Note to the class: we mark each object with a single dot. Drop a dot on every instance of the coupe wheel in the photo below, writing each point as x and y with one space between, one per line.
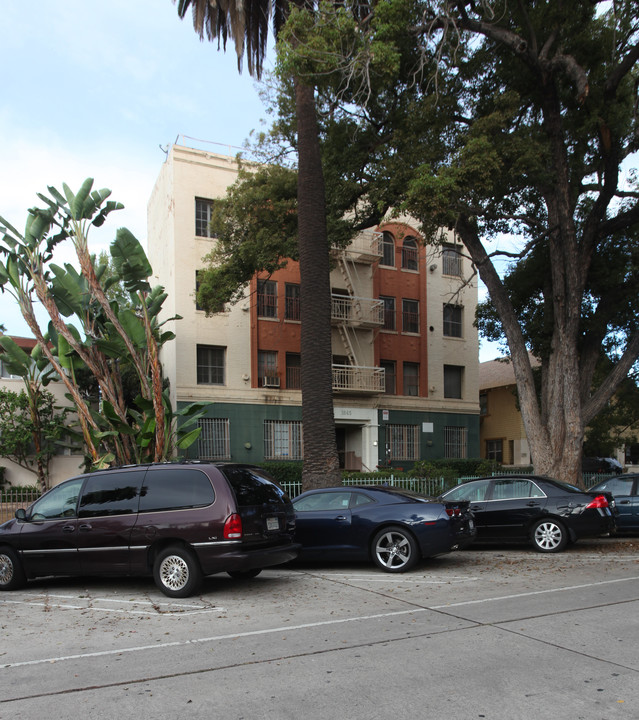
11 572
549 536
177 572
394 550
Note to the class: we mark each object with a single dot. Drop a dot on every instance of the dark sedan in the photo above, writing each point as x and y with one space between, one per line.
394 528
624 489
545 512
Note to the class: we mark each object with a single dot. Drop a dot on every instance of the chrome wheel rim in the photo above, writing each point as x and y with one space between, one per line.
174 572
6 570
548 536
393 550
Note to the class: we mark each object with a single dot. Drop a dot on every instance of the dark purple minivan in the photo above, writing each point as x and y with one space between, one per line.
175 521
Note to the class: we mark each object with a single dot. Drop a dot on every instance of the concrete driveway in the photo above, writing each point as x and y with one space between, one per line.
484 633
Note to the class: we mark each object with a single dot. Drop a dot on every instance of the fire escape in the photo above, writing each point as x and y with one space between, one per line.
357 318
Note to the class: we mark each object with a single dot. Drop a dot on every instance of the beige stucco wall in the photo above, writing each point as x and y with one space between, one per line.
503 421
62 466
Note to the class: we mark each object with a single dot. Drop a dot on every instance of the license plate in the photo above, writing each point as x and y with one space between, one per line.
272 523
471 524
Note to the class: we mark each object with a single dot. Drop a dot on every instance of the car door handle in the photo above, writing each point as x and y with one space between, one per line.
623 502
341 517
68 528
85 528
532 503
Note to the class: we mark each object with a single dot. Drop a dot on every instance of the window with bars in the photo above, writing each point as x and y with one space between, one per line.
455 442
390 376
293 371
283 440
411 379
451 261
214 442
453 320
410 316
389 313
203 209
388 250
210 365
410 254
403 442
267 298
267 368
292 302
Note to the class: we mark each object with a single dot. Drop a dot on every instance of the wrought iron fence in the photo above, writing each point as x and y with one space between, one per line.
11 499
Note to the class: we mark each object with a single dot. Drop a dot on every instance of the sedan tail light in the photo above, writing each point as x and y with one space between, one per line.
453 512
601 501
233 527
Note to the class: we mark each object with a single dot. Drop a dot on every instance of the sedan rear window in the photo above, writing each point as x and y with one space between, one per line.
174 489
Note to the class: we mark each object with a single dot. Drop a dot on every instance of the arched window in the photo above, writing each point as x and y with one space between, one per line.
410 254
388 250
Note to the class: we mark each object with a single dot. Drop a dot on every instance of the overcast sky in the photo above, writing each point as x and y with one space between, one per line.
97 90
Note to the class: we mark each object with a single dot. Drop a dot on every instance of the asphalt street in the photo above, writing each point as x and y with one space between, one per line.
484 633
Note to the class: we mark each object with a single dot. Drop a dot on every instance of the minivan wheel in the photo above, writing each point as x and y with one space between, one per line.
12 575
394 550
245 574
177 572
549 536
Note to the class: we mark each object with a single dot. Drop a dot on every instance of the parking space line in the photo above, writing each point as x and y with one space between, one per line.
304 626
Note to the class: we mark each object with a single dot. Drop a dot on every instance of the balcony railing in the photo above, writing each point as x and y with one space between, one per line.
357 311
366 246
358 379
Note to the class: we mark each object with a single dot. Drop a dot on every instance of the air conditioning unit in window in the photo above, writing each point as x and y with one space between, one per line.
271 381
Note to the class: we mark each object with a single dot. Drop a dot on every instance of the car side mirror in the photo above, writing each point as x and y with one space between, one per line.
21 514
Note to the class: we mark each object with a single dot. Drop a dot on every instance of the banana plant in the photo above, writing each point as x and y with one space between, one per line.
90 333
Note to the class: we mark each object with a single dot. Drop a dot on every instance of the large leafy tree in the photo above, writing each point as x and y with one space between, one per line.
546 119
247 24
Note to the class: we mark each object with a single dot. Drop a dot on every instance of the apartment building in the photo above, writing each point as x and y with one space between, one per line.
405 367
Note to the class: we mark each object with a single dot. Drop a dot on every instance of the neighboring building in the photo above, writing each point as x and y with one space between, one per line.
62 466
502 435
405 348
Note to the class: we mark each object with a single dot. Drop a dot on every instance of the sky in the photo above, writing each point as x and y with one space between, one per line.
101 90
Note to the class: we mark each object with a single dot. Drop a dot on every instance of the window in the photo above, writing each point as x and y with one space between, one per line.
267 369
214 442
60 502
403 442
292 302
388 250
410 254
453 321
175 488
410 316
495 450
323 502
514 488
341 304
389 313
475 491
283 440
5 372
113 493
453 376
390 376
210 365
411 379
267 298
293 371
483 404
455 442
451 260
203 210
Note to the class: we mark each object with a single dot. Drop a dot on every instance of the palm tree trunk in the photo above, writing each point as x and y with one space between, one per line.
321 463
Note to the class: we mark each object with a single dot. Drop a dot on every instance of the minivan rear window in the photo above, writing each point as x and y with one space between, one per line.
111 493
175 488
251 486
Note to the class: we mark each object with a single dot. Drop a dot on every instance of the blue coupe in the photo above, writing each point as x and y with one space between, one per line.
394 528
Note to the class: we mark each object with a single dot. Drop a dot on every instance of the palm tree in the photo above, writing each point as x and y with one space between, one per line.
247 23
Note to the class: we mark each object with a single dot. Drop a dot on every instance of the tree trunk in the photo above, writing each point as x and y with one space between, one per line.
321 463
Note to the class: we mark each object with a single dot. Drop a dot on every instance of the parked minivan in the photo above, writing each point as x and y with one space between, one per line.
175 521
